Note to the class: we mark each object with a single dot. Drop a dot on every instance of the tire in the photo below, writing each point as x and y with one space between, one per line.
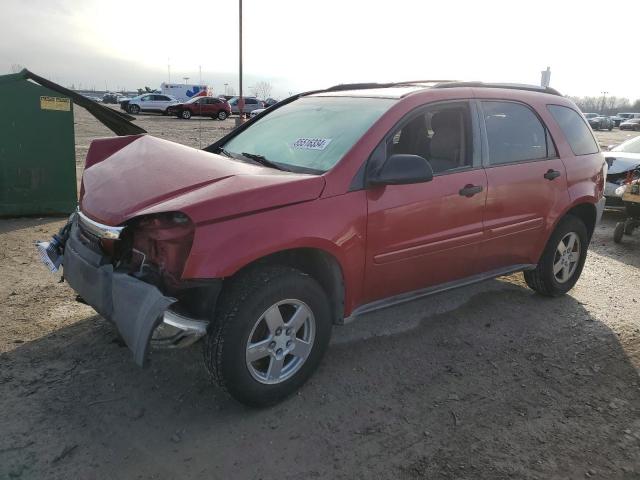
543 279
222 115
186 114
134 109
618 232
240 320
610 127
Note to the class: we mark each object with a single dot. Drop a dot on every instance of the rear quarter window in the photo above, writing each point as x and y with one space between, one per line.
575 130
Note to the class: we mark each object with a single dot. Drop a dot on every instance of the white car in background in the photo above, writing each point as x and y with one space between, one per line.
149 102
623 161
257 111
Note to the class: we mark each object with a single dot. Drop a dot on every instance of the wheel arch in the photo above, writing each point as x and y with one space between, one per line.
585 211
319 264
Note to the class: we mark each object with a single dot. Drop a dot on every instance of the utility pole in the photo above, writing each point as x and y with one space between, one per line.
225 88
240 99
169 69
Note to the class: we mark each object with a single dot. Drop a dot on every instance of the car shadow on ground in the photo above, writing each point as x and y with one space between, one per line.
506 385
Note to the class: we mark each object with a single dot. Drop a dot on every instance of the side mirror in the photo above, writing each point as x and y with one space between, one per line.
402 169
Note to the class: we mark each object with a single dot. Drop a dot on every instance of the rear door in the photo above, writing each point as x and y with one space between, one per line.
426 234
527 184
161 102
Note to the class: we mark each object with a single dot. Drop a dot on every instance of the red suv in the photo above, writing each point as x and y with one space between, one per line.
329 205
203 106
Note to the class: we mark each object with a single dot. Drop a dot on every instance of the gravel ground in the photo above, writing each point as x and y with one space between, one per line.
491 381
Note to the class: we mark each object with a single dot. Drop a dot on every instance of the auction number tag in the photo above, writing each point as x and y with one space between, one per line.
311 143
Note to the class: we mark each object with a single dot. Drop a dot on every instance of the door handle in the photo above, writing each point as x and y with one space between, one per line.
551 174
470 190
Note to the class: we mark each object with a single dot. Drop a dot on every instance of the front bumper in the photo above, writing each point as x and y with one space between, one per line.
135 307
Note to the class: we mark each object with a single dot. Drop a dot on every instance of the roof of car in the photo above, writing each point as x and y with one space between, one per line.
402 89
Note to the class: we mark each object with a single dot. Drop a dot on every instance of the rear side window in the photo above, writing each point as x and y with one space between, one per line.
575 129
514 133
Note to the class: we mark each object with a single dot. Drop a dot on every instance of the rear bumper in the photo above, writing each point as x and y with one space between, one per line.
135 307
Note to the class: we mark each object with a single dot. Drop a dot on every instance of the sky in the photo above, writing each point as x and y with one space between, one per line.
308 44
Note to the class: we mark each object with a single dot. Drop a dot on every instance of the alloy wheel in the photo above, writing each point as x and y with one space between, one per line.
567 257
280 341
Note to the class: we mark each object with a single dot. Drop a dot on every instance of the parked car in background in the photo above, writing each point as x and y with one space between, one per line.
363 197
110 97
631 124
270 102
250 104
599 122
623 160
627 115
213 107
149 102
256 112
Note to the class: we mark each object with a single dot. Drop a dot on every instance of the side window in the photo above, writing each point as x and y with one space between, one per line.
146 98
514 133
441 134
575 129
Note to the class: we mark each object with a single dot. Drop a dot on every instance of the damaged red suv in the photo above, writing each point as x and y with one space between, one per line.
329 205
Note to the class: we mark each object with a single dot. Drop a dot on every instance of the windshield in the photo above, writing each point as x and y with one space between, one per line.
590 115
310 134
630 146
193 100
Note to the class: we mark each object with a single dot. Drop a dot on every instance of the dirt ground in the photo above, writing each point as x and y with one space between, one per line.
486 382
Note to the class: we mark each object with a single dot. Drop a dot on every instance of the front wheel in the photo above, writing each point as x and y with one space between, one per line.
135 109
186 114
562 260
271 330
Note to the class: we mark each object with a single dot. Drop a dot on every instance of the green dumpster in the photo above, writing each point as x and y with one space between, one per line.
37 149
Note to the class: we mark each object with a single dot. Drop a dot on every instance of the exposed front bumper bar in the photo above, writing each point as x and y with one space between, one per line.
177 331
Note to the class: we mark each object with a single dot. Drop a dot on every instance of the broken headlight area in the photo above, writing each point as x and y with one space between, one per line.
155 248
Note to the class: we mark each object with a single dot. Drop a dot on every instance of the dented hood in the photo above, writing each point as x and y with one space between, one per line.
130 176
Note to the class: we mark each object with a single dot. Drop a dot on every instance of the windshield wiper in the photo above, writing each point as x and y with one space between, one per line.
261 159
224 152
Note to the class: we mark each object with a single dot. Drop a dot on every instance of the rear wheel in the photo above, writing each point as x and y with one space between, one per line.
562 260
271 330
222 115
186 114
134 109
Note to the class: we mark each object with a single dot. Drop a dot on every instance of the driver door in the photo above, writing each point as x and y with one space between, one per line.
425 234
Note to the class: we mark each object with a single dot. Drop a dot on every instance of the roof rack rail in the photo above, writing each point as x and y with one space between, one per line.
510 86
369 85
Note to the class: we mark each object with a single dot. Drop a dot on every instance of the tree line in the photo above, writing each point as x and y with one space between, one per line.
606 105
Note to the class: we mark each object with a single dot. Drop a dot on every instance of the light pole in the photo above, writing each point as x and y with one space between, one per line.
240 100
225 88
604 97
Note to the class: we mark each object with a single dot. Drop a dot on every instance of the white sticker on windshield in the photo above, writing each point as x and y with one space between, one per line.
311 143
